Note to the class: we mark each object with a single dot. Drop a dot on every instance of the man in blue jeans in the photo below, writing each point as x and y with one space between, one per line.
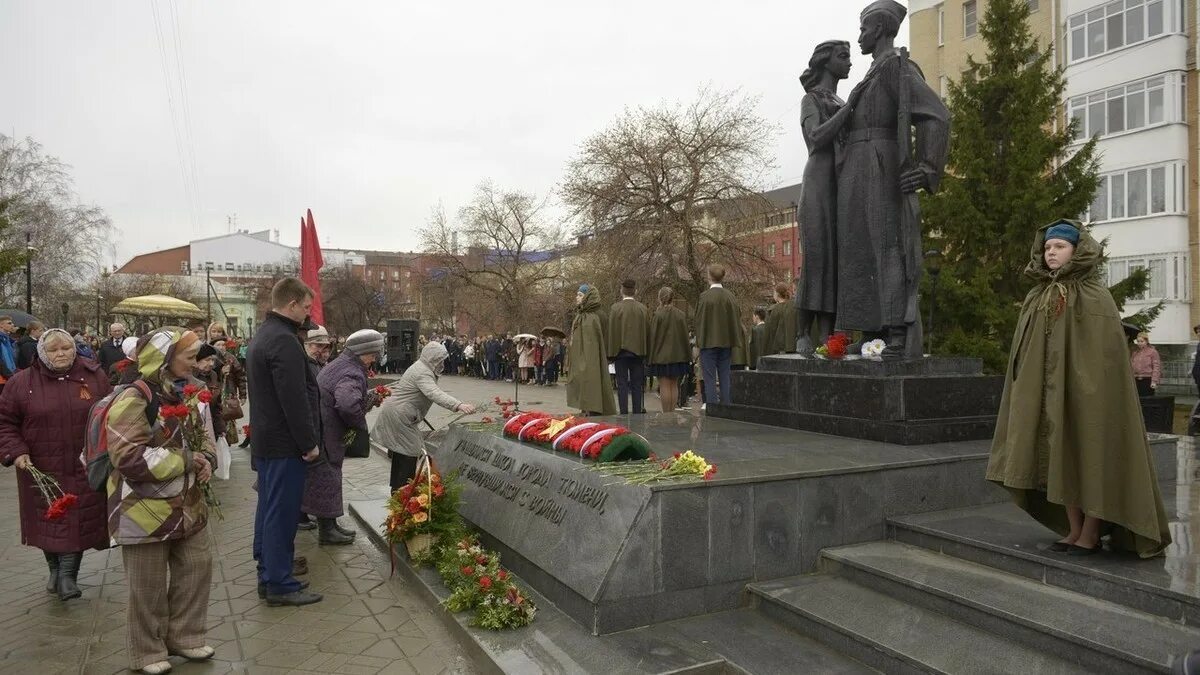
718 331
284 439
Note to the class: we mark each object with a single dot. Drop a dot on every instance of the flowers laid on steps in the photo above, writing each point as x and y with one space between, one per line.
578 436
427 505
682 466
477 581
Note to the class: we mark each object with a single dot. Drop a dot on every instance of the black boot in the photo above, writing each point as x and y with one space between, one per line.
68 574
52 561
328 534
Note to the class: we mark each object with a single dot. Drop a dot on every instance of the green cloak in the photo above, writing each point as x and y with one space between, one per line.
781 329
717 322
628 328
589 387
758 343
1070 428
669 337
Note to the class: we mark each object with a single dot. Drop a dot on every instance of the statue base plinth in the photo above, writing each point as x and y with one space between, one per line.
906 401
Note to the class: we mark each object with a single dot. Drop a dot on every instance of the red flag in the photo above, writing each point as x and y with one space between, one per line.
311 263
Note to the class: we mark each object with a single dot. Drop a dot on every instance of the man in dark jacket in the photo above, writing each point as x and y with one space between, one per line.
27 345
283 439
110 349
718 331
628 346
491 350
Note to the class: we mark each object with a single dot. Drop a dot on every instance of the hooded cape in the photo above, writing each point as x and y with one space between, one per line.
1070 429
589 388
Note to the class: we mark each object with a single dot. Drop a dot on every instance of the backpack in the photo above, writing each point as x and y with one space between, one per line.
95 451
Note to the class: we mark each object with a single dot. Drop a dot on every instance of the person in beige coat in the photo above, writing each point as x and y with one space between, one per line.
399 425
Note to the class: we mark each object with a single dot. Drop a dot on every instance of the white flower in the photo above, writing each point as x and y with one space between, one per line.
873 348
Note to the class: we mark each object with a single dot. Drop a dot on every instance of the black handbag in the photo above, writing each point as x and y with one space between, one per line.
360 448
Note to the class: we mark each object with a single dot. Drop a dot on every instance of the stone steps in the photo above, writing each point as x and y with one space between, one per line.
895 636
1003 537
1098 634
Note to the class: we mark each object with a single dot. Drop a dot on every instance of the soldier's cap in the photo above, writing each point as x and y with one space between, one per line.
895 9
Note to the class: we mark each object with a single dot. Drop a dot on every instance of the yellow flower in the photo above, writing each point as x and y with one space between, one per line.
423 500
420 517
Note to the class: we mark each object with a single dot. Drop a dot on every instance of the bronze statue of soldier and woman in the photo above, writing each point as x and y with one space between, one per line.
860 223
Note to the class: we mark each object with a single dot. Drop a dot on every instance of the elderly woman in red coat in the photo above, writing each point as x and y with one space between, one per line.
43 415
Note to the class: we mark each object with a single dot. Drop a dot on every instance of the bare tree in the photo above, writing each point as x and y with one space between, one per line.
69 238
673 188
351 303
511 257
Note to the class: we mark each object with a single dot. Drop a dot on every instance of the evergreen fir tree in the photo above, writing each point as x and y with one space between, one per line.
1012 169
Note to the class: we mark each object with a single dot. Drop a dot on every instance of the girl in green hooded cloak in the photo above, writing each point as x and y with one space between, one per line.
1070 442
589 388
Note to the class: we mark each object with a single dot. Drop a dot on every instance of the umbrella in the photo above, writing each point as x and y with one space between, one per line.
21 319
524 336
158 305
551 331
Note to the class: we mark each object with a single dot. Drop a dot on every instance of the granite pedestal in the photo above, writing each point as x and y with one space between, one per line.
615 556
908 402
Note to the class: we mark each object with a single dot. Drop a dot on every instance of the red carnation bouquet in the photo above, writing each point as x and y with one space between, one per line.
58 501
579 437
835 347
195 434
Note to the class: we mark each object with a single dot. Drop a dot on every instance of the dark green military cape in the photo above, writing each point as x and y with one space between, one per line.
669 337
717 322
628 328
758 343
1070 429
589 387
781 328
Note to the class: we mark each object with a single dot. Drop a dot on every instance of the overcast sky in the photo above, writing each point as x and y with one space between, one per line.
370 113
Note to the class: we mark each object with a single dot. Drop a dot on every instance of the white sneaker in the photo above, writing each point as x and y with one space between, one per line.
196 654
157 668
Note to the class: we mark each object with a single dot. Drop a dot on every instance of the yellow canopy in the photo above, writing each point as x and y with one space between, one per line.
158 305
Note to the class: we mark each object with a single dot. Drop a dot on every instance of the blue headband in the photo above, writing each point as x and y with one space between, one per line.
584 288
1064 231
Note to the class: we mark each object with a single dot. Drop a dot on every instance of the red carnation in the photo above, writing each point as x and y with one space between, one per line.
497 400
246 429
712 471
122 365
487 420
190 390
501 575
231 345
481 559
438 490
678 455
485 583
205 396
468 571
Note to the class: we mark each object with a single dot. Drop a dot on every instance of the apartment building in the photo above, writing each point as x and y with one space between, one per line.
1130 71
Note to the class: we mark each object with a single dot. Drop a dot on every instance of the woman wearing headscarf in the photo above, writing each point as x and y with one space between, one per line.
344 404
589 387
43 417
1070 442
157 512
399 425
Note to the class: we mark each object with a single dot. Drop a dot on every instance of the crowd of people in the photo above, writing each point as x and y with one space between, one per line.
529 358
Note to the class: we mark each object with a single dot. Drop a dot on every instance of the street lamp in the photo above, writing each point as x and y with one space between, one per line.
933 264
29 251
99 299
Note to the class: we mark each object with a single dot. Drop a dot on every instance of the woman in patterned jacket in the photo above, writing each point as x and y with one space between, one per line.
156 508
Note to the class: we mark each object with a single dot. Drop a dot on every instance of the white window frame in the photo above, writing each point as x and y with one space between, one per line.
1172 281
970 29
941 24
1120 16
1173 192
1167 86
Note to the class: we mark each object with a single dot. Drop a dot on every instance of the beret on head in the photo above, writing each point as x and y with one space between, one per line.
1065 231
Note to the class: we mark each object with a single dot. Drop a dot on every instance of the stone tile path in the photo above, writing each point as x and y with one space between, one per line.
367 623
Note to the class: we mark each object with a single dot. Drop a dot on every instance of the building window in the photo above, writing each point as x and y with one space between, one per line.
787 248
941 18
970 20
1127 107
943 87
184 267
1115 25
1144 191
1168 275
395 275
771 250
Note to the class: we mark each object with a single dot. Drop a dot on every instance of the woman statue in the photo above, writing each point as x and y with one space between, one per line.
822 115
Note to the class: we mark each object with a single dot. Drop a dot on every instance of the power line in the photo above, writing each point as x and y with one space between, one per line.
186 103
183 163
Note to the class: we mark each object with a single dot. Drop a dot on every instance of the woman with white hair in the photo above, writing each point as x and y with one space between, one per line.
43 417
398 427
